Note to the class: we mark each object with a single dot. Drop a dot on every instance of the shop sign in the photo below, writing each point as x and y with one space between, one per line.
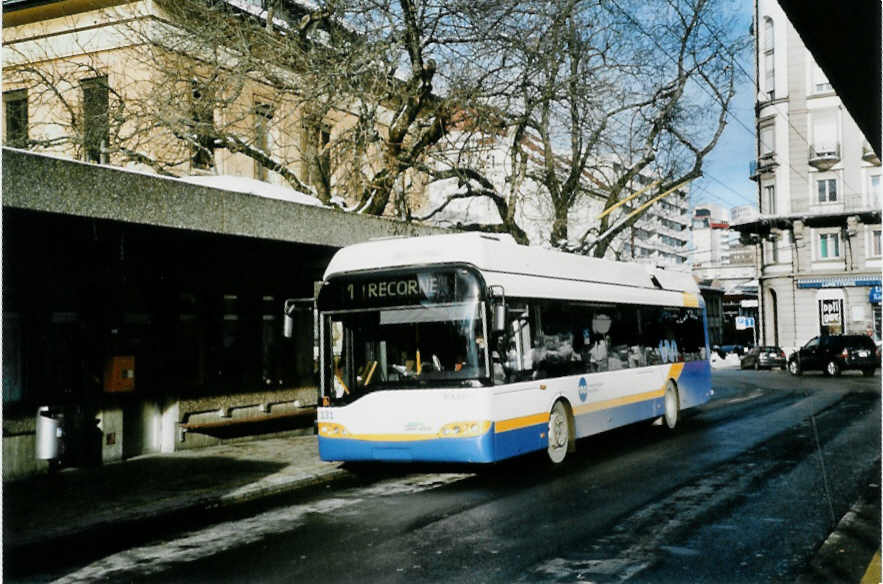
832 309
874 295
836 282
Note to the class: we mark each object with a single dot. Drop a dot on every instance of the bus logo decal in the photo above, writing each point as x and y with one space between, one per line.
583 389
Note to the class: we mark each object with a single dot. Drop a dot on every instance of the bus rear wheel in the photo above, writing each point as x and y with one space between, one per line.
559 433
672 406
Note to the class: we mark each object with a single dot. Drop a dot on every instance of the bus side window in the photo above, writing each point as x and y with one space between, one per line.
518 356
553 353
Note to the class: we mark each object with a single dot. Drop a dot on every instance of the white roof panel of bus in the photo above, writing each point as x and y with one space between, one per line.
500 254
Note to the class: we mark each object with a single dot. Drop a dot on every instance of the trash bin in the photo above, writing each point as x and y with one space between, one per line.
50 433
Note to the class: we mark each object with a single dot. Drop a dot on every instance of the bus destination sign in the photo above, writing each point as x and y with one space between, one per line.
379 290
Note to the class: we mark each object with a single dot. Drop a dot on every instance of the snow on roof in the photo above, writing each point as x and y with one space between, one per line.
255 187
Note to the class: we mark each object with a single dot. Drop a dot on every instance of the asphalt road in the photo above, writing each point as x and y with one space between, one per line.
744 491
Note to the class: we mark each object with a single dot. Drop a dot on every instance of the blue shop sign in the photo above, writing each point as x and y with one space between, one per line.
837 282
874 295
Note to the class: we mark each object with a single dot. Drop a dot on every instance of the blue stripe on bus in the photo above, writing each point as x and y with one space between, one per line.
514 442
478 449
600 420
694 383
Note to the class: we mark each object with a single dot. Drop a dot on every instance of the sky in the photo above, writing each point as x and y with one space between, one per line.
725 181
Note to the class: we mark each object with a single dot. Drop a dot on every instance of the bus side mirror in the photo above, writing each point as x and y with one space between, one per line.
288 318
499 325
498 309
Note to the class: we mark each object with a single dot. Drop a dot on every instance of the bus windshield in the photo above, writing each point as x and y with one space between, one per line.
434 345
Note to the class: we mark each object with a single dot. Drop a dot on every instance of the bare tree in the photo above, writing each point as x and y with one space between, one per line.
601 95
367 103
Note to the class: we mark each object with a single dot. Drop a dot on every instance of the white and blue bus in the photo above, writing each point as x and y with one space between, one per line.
472 348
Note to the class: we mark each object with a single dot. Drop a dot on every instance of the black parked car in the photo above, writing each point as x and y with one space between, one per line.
835 353
763 358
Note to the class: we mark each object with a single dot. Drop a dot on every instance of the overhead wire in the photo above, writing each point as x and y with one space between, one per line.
739 67
729 113
751 78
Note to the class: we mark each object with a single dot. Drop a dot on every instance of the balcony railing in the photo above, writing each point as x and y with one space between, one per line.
824 156
766 163
868 154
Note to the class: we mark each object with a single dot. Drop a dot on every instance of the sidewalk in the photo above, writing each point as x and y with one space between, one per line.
87 503
83 506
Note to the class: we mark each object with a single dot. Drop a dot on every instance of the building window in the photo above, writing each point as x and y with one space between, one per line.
769 58
874 191
263 139
829 246
202 116
767 140
875 243
16 103
319 144
95 119
774 249
827 188
324 151
825 132
770 199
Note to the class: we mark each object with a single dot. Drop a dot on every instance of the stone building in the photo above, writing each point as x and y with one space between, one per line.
818 232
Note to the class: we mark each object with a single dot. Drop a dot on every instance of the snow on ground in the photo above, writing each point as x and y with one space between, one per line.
255 187
731 361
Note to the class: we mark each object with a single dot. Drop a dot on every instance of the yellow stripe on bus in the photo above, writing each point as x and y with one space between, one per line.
521 422
620 401
674 372
326 430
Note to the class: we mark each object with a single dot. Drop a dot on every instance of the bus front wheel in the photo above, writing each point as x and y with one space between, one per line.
672 406
559 433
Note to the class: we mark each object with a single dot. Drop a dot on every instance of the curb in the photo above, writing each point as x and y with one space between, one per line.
849 553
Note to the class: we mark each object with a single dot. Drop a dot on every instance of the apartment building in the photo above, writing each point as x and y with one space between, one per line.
711 236
660 235
818 232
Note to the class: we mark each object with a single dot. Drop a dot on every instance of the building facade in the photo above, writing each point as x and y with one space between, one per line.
659 236
129 83
147 311
818 232
142 310
719 258
711 237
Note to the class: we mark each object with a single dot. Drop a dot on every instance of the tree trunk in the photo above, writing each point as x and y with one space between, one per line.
558 236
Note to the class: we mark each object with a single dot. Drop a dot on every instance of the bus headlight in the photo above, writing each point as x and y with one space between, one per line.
331 430
464 429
